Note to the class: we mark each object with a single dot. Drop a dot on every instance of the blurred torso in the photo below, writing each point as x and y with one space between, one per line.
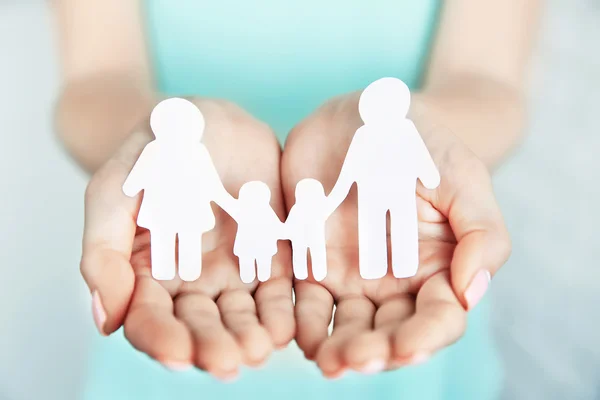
282 59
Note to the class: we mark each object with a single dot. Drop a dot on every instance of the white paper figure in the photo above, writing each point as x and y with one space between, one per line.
259 229
305 227
179 182
385 158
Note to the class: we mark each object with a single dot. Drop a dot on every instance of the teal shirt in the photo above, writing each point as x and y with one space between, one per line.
280 60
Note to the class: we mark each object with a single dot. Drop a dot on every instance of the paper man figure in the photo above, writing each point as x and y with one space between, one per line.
305 227
179 182
259 229
385 158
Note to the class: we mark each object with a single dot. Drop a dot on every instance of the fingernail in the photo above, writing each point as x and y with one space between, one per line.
309 356
477 288
228 377
338 375
176 366
258 364
418 358
373 367
98 312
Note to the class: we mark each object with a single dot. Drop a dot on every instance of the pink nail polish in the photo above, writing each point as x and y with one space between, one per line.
373 367
177 366
229 377
418 358
98 312
258 365
479 285
338 375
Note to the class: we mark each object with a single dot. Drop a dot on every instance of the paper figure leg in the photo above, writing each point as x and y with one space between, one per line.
318 259
190 256
299 261
263 267
404 234
372 242
162 255
247 270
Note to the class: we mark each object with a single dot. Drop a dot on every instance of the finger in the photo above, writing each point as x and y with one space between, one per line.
353 316
238 313
372 347
439 321
483 243
466 197
108 236
216 350
151 327
276 309
313 310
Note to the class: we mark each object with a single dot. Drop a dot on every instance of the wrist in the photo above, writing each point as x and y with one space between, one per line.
487 116
96 114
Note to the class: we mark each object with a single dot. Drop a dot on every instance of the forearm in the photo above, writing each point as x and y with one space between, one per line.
94 115
487 116
477 72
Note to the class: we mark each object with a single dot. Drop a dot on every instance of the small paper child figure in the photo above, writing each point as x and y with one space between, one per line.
259 229
385 158
305 227
179 182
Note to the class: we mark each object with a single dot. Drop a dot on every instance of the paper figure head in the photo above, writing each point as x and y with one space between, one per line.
308 190
177 120
255 192
386 100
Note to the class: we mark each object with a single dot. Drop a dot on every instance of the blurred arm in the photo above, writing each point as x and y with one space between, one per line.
107 88
476 77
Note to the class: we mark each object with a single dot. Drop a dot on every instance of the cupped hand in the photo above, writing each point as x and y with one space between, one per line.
386 323
216 323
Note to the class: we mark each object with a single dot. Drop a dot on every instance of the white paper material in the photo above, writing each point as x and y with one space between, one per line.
179 182
385 159
305 227
259 229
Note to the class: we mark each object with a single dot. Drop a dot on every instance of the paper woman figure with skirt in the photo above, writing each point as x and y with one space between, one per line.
179 181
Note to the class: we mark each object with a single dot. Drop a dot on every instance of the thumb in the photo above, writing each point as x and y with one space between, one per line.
477 257
109 231
483 242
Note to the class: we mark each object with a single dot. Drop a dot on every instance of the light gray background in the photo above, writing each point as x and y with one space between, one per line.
547 299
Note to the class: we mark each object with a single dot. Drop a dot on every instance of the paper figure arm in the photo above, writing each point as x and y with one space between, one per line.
220 195
428 172
226 201
290 224
347 175
281 228
136 180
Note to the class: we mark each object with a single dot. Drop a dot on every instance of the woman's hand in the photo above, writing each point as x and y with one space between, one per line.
385 323
216 322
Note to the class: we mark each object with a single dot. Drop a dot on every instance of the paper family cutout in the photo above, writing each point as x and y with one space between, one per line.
385 159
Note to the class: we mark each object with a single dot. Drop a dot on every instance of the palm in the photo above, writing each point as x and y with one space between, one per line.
378 323
220 271
435 248
215 322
